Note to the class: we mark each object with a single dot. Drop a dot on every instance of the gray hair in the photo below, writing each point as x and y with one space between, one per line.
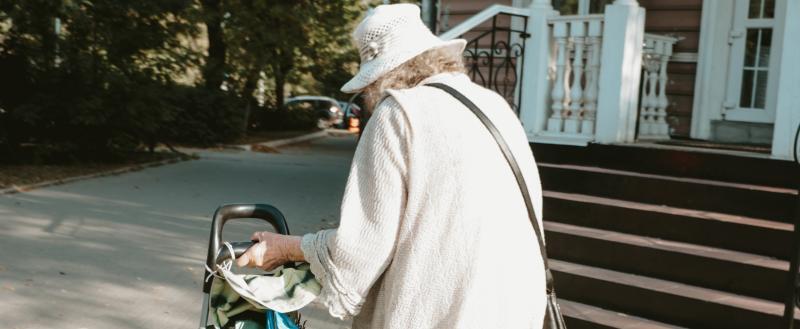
412 72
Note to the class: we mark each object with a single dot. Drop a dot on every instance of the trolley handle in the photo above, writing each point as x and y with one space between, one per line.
239 248
225 213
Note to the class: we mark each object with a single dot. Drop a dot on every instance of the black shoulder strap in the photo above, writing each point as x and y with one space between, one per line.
512 162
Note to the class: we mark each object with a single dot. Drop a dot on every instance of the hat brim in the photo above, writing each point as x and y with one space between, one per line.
366 76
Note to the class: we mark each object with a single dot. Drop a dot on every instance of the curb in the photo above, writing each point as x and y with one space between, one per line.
295 140
271 146
25 188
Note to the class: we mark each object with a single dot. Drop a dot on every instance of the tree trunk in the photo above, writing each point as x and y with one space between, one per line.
281 73
214 70
280 89
250 101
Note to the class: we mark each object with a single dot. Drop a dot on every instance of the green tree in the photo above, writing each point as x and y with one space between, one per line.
288 40
99 83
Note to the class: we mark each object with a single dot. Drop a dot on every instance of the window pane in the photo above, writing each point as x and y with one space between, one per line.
769 9
750 47
761 90
566 7
764 50
746 99
755 9
598 6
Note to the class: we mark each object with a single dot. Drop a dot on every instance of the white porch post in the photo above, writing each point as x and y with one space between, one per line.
787 105
623 35
533 108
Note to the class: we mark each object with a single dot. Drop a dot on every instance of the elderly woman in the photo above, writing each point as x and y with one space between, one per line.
434 232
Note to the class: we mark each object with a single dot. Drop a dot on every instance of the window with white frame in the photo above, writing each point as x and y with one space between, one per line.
757 46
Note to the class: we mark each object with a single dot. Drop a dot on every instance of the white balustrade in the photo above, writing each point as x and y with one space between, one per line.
573 118
574 90
592 74
653 112
555 123
568 59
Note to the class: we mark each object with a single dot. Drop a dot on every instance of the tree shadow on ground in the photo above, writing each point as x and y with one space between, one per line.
127 251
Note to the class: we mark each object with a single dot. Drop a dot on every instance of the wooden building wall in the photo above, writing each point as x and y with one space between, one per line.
453 12
679 18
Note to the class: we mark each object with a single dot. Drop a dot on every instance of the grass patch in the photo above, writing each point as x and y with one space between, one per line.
28 174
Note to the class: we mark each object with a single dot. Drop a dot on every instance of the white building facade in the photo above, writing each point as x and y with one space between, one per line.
599 78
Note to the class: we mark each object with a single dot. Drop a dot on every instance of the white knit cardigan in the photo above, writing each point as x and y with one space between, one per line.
434 232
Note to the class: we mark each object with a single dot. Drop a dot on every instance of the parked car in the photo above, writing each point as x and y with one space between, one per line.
328 110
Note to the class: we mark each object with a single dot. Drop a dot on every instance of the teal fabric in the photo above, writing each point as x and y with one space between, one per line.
277 320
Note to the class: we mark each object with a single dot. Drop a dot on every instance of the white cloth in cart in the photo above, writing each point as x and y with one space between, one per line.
285 290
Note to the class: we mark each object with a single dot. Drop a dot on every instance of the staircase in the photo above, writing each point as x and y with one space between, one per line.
661 238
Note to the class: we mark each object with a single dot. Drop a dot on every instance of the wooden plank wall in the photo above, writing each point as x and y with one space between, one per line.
679 18
670 17
459 10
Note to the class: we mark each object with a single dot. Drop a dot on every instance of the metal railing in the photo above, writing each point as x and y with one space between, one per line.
495 56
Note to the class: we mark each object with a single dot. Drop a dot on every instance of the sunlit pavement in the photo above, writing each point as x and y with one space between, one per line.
127 251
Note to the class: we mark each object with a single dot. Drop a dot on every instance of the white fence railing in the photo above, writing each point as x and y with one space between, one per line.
653 106
582 73
573 97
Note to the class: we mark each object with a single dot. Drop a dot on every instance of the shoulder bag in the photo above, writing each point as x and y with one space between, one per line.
552 318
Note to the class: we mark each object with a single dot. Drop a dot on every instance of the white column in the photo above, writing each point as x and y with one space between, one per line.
577 31
712 66
535 90
787 105
623 33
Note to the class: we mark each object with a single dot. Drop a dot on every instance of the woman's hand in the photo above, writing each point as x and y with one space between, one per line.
271 251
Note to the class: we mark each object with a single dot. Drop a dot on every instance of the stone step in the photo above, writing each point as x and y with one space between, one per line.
661 300
745 234
736 272
756 201
582 316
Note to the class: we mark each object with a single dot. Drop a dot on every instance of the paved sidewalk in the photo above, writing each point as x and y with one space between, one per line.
127 251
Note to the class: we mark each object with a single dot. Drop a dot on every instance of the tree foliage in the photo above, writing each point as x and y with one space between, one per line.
100 76
97 83
290 41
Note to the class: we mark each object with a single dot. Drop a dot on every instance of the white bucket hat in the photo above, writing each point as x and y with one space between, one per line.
389 36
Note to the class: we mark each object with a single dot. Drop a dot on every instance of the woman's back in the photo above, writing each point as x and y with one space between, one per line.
465 255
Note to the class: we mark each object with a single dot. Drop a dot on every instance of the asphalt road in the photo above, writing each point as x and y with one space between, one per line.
127 251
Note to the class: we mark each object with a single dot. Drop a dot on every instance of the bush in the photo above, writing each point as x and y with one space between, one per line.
204 117
283 119
64 116
106 85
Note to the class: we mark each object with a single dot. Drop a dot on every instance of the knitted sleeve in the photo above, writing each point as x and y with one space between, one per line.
350 259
